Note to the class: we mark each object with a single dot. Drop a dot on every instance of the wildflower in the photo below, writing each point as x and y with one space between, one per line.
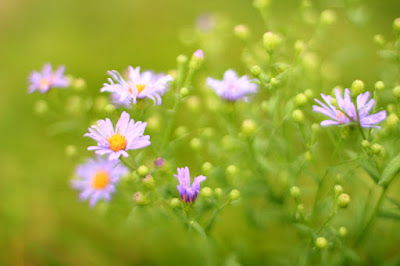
346 112
47 79
232 87
127 135
188 193
97 179
159 162
137 86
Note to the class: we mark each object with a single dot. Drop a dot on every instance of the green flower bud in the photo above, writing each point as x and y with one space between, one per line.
379 39
231 170
208 132
343 200
396 25
328 17
365 144
255 71
379 85
338 190
295 192
307 156
153 123
206 192
299 46
180 131
391 108
242 32
396 92
264 106
148 182
41 107
300 207
195 144
248 127
298 116
109 109
184 92
273 82
74 105
309 93
261 4
392 120
234 195
218 192
181 59
193 103
300 99
342 231
100 103
196 60
376 148
140 199
79 84
315 128
206 167
71 151
357 87
174 203
270 40
321 242
142 170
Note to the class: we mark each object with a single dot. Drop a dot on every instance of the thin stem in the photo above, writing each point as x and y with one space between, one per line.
214 216
123 160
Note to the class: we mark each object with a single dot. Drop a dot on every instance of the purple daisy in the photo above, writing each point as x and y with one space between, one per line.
346 112
188 193
137 86
232 87
97 179
47 79
127 135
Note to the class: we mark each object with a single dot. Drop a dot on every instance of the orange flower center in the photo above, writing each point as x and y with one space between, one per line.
339 116
44 83
117 142
100 179
139 87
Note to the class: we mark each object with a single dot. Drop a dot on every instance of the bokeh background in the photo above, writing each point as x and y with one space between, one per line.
41 221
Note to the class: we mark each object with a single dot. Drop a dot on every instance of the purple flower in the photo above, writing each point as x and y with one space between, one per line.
47 79
137 86
159 162
232 87
206 22
97 179
188 193
199 54
127 135
346 112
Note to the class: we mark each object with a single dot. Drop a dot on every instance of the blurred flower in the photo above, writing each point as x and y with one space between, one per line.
232 87
137 86
97 179
47 79
128 135
206 22
346 111
159 162
188 193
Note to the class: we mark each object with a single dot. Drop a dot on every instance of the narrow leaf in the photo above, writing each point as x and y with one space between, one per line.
370 169
390 171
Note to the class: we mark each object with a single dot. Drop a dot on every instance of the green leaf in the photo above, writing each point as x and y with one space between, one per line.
390 171
394 201
351 254
370 169
389 214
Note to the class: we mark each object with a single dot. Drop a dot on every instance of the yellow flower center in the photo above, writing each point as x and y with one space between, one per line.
44 83
139 87
117 142
100 180
339 116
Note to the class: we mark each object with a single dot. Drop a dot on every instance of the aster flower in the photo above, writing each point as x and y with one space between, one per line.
47 79
127 135
346 112
137 86
232 87
97 179
188 192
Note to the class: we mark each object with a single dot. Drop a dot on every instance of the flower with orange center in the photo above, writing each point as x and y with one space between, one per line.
117 142
47 79
100 180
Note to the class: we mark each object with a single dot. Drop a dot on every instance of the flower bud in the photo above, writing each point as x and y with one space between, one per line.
231 170
218 192
365 144
264 106
391 108
142 171
307 156
338 190
184 92
193 103
298 116
342 231
74 105
299 46
270 41
396 25
315 127
208 132
100 103
300 207
328 17
41 107
153 123
379 85
261 4
196 60
159 162
148 182
334 102
242 32
248 127
140 199
295 192
79 84
273 82
255 70
174 203
396 92
309 93
206 167
321 242
376 148
343 200
70 151
206 192
195 144
300 99
180 131
181 59
109 109
379 39
392 120
234 195
357 87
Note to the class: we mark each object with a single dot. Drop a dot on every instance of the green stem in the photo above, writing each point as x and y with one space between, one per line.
214 216
123 160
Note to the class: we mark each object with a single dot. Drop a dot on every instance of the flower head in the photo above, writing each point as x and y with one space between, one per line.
346 111
127 135
188 192
137 86
47 79
232 87
97 179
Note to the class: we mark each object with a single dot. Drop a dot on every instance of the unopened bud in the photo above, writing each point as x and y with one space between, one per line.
396 92
300 99
357 87
392 120
328 17
195 144
242 32
206 167
180 131
299 46
79 84
41 107
148 182
100 103
338 190
193 103
109 109
396 25
70 151
142 171
365 144
208 132
343 200
261 4
376 148
270 41
248 127
153 123
298 116
342 231
159 162
181 59
321 242
295 192
315 128
206 192
309 93
255 71
300 207
218 192
307 156
196 60
379 85
234 195
231 170
139 199
174 203
379 39
184 92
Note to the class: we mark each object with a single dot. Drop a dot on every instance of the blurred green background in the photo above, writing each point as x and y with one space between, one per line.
41 221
